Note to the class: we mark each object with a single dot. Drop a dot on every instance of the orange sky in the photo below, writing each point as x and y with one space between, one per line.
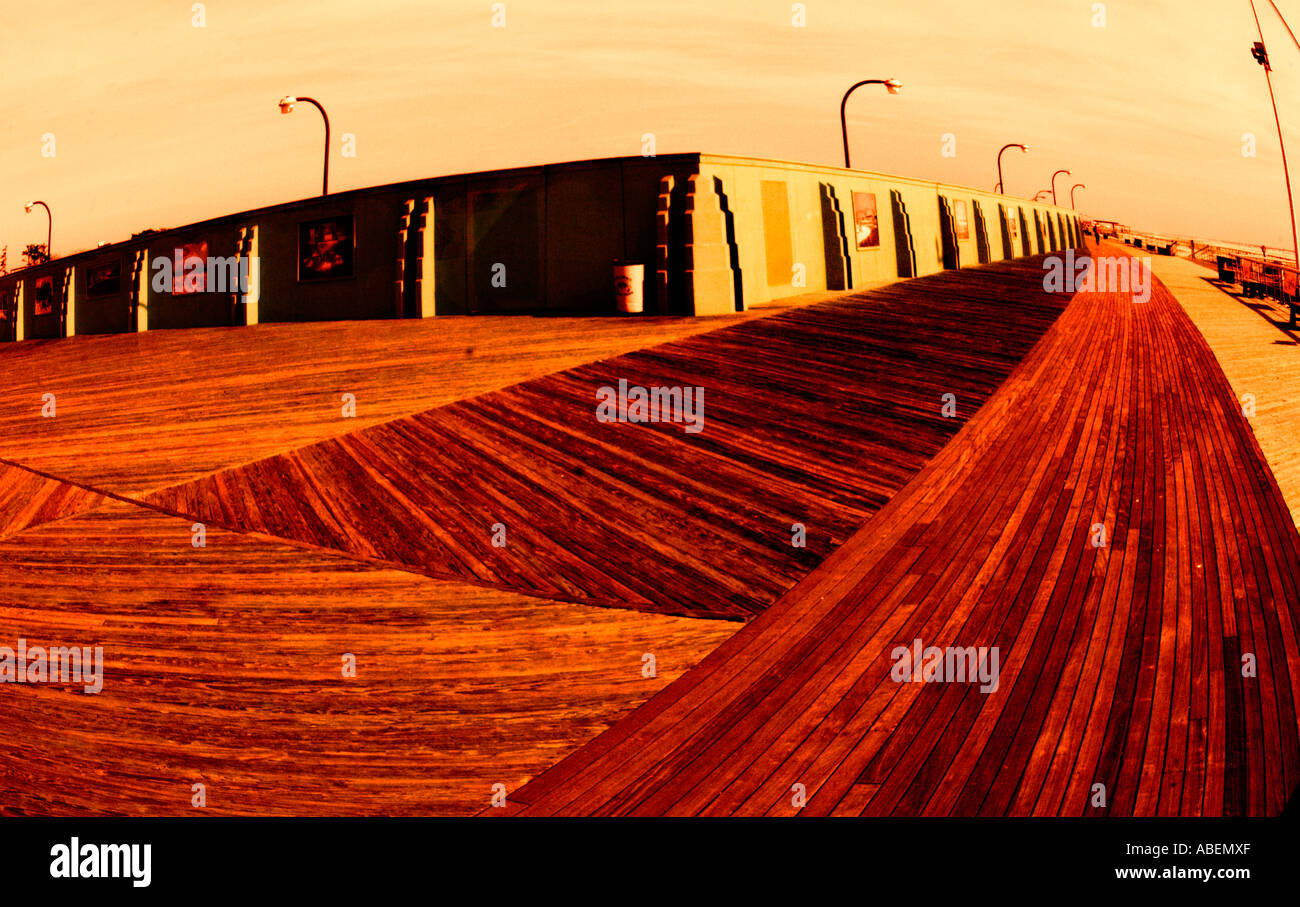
159 123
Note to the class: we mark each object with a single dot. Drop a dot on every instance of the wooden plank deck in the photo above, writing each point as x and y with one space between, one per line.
135 412
1120 666
223 665
1259 355
28 499
815 415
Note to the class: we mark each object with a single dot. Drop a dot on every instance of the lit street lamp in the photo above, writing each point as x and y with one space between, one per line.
286 107
891 85
49 225
1024 148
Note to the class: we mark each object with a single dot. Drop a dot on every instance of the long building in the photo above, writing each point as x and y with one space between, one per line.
715 234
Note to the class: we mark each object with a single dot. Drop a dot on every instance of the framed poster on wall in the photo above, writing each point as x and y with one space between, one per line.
960 220
866 225
192 275
104 280
1013 225
44 295
326 248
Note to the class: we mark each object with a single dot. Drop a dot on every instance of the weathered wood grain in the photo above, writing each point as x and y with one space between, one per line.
140 411
814 416
1259 354
28 499
223 666
1120 665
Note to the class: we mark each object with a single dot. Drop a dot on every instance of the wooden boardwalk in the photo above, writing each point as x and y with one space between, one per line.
28 499
1121 688
815 416
223 666
1120 662
1259 355
135 412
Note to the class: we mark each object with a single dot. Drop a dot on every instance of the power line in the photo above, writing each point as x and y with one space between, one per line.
1261 56
1284 25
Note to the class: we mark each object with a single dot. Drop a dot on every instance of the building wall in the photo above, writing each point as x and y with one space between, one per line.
107 309
45 325
740 181
715 233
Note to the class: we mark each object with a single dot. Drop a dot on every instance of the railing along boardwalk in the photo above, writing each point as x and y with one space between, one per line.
1120 665
813 416
1259 354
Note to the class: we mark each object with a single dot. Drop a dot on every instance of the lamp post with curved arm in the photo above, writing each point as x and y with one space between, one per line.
286 107
1054 176
1024 148
891 85
49 226
1072 188
1260 53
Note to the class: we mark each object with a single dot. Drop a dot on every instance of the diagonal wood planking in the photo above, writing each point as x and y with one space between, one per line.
1120 665
222 665
133 412
28 499
1120 668
814 416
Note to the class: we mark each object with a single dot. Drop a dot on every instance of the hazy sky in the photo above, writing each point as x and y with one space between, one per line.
158 123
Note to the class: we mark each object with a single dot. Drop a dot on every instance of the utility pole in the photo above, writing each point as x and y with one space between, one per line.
1260 53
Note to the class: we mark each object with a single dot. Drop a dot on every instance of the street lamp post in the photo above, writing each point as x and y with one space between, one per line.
1260 53
1054 176
891 85
49 225
1038 197
1072 188
286 107
1023 148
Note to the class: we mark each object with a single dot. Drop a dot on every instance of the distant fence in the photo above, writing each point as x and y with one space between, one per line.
1210 252
1200 250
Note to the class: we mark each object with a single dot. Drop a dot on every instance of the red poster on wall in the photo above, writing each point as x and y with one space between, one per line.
959 218
191 276
44 295
326 248
866 225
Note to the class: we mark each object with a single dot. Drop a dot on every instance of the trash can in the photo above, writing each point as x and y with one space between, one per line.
629 285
